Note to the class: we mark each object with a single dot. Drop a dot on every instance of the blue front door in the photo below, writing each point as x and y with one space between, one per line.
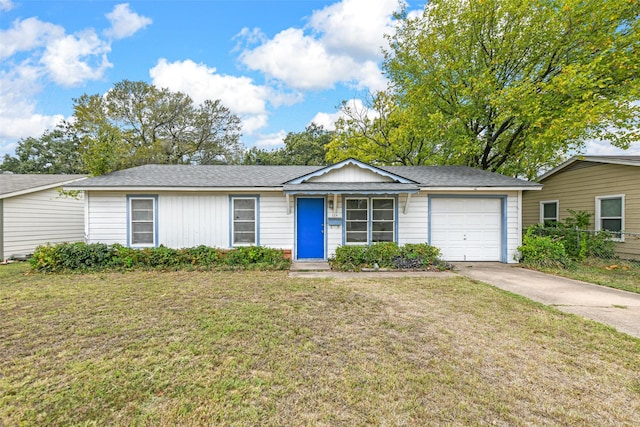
310 236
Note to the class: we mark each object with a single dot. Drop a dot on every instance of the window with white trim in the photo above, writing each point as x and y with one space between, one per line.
610 215
369 220
549 212
142 217
244 226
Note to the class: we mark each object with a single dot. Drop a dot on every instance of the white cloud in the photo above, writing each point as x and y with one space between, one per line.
49 55
342 44
27 34
596 147
6 5
73 59
200 82
125 22
239 94
18 118
355 27
271 140
328 120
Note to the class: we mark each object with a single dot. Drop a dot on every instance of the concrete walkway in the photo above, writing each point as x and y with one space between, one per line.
612 307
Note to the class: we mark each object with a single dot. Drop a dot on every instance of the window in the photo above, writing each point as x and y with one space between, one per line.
549 212
244 229
369 220
610 215
142 217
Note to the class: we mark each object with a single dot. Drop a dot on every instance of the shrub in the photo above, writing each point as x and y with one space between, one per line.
98 256
387 255
349 258
382 254
542 251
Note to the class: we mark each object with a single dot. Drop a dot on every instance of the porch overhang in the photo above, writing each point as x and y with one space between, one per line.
325 188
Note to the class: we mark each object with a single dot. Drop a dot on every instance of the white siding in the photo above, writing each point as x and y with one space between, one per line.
334 236
106 217
350 173
186 220
42 217
413 226
276 222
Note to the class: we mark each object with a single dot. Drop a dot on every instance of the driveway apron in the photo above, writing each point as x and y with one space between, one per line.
613 307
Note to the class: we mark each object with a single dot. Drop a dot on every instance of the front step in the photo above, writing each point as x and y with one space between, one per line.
310 266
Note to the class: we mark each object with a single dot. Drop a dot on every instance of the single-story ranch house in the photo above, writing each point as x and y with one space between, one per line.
32 213
470 214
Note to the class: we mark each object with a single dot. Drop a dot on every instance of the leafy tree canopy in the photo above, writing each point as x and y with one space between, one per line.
505 85
133 124
136 123
56 151
300 148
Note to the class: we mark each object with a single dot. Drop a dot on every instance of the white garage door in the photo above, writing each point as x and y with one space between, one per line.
467 229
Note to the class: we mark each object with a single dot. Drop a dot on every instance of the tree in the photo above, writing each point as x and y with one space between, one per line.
136 123
505 85
56 151
300 148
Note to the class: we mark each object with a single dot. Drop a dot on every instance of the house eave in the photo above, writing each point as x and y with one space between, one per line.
174 189
478 189
39 188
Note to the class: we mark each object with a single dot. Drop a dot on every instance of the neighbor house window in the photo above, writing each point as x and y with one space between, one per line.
549 212
244 225
142 221
369 220
610 215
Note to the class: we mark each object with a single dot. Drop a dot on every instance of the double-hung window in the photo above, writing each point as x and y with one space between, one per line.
610 215
244 230
549 212
142 221
369 220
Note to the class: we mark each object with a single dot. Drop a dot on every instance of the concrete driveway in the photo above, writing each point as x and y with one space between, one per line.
612 307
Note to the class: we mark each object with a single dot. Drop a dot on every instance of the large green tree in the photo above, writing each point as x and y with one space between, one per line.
300 148
505 85
56 151
137 123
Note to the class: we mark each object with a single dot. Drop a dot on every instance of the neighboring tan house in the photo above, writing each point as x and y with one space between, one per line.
33 213
606 186
469 214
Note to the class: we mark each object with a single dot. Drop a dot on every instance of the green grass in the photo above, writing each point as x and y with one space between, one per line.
612 273
258 348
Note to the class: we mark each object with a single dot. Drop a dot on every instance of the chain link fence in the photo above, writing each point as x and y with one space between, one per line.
581 244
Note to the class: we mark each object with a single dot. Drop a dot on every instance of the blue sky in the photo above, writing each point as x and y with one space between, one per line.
278 64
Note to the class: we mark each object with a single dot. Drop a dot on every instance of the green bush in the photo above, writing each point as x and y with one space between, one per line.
99 256
382 254
542 251
387 255
350 258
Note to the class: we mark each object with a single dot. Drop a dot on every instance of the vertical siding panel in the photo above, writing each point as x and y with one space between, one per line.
276 225
107 218
413 226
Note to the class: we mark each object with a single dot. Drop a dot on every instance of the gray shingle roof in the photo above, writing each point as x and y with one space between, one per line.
225 176
13 183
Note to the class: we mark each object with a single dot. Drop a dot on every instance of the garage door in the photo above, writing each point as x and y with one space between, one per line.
467 229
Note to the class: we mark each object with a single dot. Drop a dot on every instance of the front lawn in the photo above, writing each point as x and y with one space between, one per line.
617 274
260 348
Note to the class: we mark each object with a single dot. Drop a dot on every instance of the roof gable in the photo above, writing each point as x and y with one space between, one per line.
579 161
352 171
12 185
